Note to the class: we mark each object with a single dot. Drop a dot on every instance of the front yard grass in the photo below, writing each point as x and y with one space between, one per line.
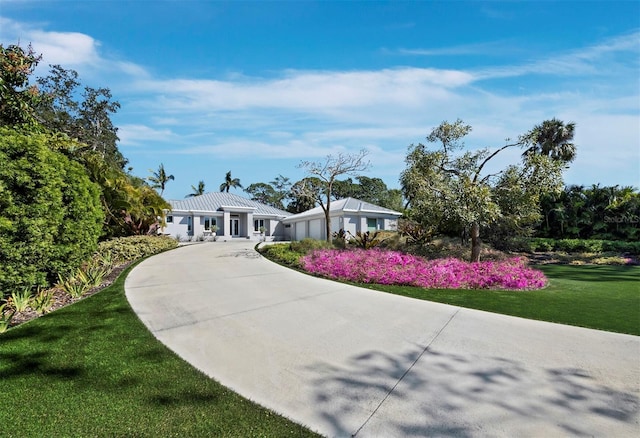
598 297
93 369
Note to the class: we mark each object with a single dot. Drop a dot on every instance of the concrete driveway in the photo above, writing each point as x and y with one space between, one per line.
347 361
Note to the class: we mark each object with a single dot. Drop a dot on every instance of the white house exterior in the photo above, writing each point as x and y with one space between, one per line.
233 215
349 214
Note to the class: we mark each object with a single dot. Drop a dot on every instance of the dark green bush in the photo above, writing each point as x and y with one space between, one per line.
50 212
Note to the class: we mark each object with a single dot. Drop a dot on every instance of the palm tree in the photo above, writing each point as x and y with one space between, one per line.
553 139
160 178
196 191
229 183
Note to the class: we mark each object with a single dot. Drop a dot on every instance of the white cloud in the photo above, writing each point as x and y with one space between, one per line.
69 49
132 134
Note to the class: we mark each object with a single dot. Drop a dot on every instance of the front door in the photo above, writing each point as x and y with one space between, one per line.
235 227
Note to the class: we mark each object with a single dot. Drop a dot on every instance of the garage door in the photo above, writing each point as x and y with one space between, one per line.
315 229
301 231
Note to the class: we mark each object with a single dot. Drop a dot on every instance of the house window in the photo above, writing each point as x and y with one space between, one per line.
372 224
209 222
189 223
169 219
257 224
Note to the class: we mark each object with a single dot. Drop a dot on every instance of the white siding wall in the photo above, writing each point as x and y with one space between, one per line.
178 226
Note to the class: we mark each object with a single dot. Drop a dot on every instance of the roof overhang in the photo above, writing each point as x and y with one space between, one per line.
237 209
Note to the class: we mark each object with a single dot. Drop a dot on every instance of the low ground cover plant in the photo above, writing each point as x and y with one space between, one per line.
111 257
395 268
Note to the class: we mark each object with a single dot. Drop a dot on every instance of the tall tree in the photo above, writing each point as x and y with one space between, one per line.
159 179
197 191
282 186
553 138
87 119
18 99
448 185
265 194
229 183
327 171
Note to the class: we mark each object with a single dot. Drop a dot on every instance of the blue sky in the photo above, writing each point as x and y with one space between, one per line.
257 87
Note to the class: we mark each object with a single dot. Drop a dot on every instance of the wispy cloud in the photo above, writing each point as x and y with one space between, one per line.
492 48
581 62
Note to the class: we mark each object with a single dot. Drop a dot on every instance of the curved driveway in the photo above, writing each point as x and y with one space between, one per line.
349 361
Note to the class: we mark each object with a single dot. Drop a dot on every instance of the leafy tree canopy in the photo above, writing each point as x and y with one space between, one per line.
448 187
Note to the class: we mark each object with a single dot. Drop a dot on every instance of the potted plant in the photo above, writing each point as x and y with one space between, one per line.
214 229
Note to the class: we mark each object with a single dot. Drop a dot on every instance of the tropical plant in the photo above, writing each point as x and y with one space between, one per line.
552 138
196 191
340 238
6 315
42 301
230 183
159 178
95 274
75 285
366 240
20 300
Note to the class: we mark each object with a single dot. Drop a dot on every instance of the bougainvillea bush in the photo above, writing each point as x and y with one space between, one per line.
392 267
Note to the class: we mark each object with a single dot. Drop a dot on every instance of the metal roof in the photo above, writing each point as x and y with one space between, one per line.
345 205
220 201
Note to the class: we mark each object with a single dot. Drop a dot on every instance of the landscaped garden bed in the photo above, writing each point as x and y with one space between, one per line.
395 268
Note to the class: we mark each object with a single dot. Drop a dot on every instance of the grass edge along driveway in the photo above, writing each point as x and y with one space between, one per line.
93 369
592 296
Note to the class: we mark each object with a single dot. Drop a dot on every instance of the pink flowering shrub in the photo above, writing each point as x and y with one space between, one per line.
395 268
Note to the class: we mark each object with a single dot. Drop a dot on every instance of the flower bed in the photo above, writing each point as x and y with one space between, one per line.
391 267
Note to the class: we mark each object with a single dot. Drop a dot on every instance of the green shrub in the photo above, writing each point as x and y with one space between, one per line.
541 244
50 212
282 253
307 245
124 249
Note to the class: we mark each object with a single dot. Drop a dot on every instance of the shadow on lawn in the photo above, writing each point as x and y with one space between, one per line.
466 396
94 345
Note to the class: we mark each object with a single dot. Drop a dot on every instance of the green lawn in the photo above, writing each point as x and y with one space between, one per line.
93 369
599 297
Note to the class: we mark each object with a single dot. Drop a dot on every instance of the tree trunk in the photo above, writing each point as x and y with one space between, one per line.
327 220
475 242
